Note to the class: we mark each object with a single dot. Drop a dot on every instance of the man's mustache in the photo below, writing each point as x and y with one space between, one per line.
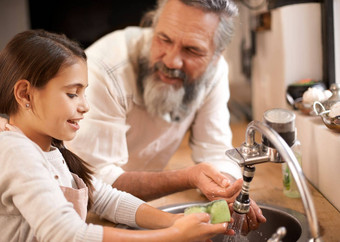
171 73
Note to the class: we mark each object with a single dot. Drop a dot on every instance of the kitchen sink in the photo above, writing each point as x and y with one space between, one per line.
295 223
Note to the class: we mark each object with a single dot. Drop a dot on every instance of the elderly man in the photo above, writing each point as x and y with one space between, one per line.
147 88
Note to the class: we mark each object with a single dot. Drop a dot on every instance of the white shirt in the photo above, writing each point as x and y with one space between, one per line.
33 205
118 133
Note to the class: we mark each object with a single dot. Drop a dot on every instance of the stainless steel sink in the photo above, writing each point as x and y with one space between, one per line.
295 223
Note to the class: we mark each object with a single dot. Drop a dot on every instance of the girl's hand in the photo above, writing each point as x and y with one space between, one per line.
196 227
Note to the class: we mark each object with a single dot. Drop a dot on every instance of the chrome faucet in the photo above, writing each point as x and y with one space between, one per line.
251 153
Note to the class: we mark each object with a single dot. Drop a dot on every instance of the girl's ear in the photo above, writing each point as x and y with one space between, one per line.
22 93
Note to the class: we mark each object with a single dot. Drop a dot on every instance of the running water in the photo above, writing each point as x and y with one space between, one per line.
237 227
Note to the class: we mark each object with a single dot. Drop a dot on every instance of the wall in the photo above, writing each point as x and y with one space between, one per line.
290 51
240 86
233 50
337 39
14 18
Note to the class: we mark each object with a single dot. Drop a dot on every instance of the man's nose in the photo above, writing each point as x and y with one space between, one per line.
172 58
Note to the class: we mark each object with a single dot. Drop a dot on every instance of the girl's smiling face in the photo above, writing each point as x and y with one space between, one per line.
57 108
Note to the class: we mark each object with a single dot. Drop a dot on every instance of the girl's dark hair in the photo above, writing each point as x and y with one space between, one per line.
37 56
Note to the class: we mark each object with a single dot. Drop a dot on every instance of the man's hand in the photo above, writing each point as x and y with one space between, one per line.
212 183
253 218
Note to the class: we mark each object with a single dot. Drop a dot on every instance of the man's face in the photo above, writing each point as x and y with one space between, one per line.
180 60
184 41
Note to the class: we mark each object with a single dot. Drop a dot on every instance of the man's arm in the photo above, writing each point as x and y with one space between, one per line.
211 137
151 185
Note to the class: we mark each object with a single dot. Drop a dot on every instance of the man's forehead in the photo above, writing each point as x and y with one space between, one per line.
186 22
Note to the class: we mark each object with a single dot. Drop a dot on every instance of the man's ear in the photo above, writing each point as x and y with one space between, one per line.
22 91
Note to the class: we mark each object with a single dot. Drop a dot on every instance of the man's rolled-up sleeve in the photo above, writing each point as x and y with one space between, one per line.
211 133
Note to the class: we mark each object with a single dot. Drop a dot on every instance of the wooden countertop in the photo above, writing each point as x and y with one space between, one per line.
266 187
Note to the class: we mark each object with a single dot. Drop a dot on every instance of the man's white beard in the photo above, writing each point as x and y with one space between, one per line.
171 104
163 100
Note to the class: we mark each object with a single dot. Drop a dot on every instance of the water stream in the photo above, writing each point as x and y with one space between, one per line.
237 227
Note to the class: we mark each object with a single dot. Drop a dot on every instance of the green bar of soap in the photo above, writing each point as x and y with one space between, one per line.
195 209
218 210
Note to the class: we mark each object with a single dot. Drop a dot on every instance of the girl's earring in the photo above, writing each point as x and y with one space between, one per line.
27 105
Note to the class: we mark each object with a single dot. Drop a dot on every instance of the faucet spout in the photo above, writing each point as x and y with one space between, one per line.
250 153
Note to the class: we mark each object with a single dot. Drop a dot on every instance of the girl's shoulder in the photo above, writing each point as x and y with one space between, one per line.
14 138
15 143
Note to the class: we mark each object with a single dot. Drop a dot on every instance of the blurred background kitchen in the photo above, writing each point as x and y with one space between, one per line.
277 43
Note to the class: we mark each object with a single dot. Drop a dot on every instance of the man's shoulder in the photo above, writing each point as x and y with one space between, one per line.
113 63
222 71
222 64
118 42
116 54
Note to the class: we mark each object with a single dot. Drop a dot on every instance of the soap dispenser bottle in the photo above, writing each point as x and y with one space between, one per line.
290 188
283 122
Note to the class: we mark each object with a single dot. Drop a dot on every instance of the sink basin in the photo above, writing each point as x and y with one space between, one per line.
295 223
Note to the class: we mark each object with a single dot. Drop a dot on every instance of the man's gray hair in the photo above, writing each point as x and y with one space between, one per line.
225 9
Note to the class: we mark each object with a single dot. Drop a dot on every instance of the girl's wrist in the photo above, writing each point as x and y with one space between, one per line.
176 217
170 219
173 234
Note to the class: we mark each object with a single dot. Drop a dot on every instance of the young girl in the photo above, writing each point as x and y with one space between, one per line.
45 189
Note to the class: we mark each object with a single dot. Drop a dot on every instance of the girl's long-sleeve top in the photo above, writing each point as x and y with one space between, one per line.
32 204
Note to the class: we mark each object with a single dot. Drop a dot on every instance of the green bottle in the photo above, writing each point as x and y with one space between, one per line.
290 188
283 122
